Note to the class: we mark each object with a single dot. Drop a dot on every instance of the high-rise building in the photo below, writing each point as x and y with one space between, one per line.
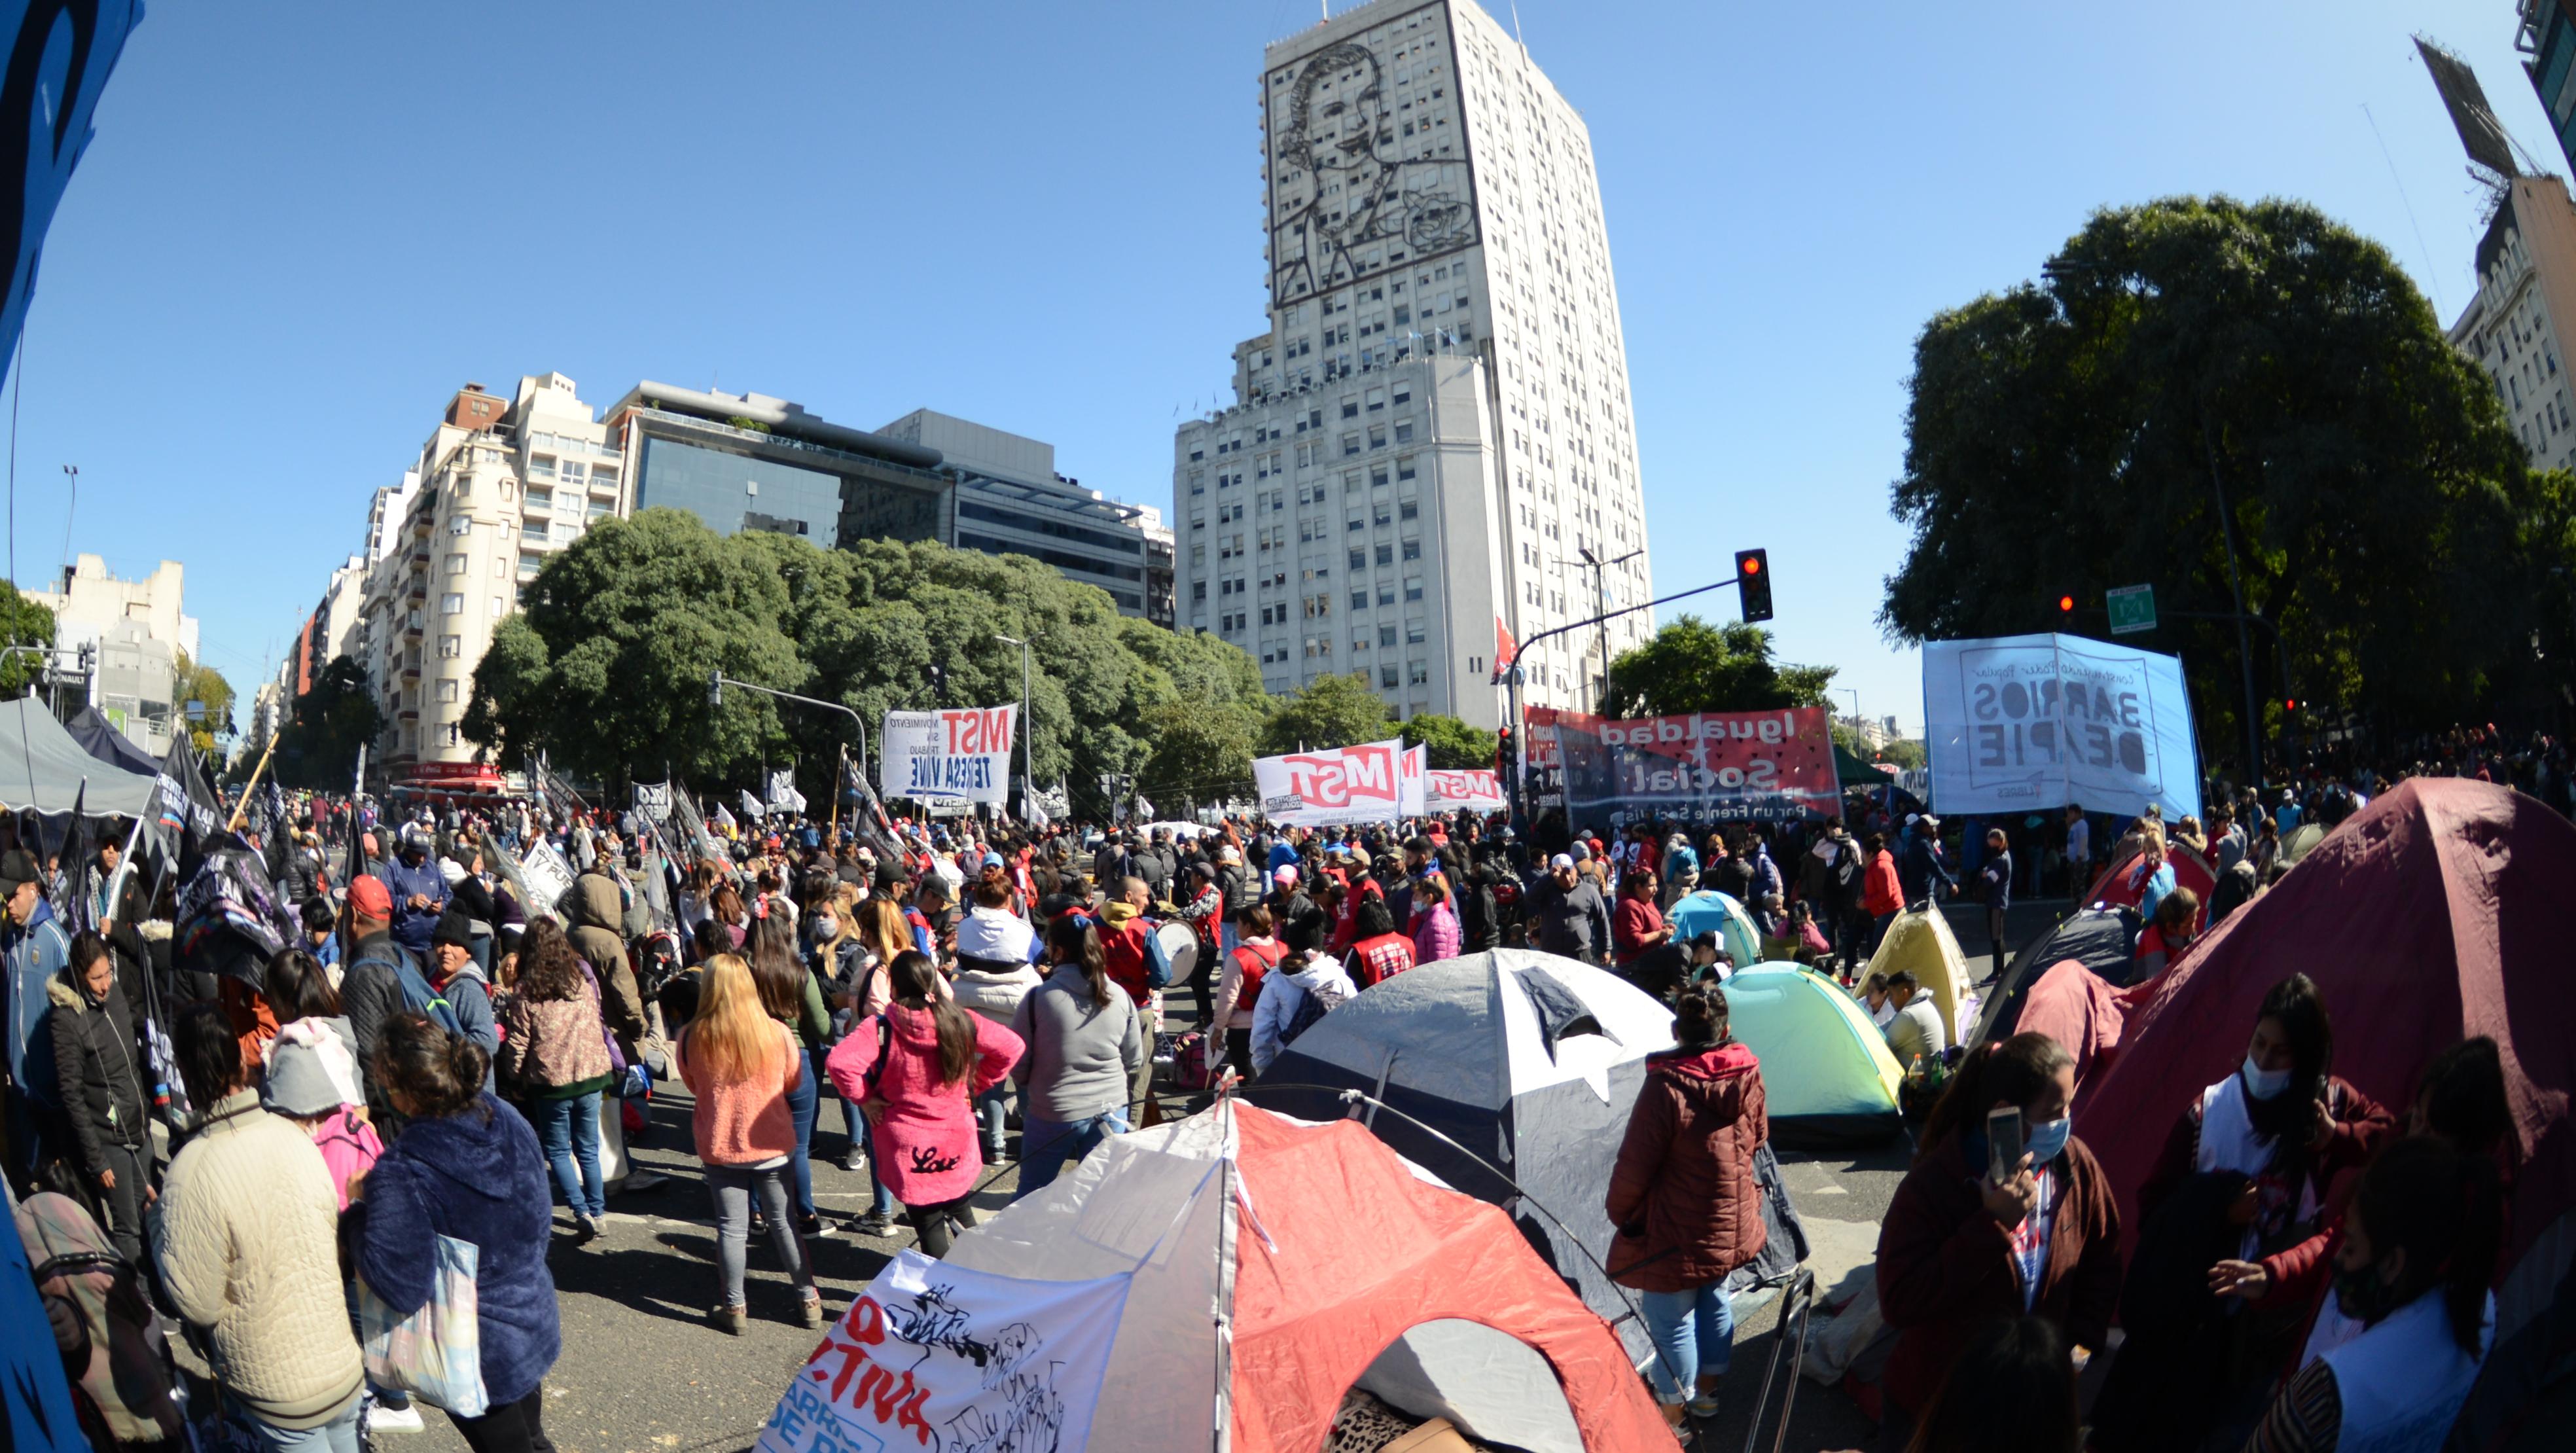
2548 36
1009 500
1435 436
2516 326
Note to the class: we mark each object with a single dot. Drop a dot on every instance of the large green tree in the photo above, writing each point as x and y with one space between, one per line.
607 667
1327 712
1199 756
2201 369
318 746
1692 666
1451 744
22 623
196 681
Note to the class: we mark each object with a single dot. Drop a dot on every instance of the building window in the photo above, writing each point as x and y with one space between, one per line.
1404 467
1386 635
1413 549
1404 431
1359 558
1377 436
456 564
1386 678
1420 673
1410 509
451 647
447 690
461 526
453 605
1413 633
1351 444
1413 591
1386 554
496 607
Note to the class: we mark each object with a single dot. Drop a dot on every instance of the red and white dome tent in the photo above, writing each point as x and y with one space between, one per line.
1285 1261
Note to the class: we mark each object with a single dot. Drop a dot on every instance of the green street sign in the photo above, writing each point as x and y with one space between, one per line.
2133 608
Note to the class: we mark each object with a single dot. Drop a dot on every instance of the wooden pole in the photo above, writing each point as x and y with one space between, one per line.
243 804
840 773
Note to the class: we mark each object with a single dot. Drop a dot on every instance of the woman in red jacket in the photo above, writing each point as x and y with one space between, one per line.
1882 893
1683 1199
1962 1246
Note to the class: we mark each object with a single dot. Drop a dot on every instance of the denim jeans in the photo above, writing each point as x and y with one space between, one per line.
1693 1332
992 1112
568 1128
1045 1145
804 1103
340 1435
881 1200
732 1188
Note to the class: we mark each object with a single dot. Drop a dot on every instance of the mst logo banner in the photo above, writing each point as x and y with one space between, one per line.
1364 783
961 755
1715 766
2023 723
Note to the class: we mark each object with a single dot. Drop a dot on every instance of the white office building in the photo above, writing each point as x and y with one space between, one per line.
1436 428
2516 324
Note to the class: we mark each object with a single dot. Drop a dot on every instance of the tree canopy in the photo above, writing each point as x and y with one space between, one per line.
22 623
607 665
1451 745
318 745
196 681
1327 712
2069 437
1692 666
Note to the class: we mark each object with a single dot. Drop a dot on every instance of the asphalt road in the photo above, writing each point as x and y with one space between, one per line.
641 1370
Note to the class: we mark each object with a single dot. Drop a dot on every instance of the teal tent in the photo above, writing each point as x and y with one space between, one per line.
1827 1076
1707 909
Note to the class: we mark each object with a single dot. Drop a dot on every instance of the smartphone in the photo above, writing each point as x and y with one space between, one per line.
2003 1143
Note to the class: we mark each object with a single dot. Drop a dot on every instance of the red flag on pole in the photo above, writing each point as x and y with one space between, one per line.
1505 648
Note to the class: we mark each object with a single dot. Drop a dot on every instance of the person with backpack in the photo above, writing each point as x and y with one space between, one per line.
1303 989
373 977
1083 1045
1238 992
914 1072
554 1056
743 1067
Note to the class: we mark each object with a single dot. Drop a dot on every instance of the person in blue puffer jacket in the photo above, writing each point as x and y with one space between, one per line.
418 888
466 1165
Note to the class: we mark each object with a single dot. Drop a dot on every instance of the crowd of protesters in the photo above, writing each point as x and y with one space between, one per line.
429 1054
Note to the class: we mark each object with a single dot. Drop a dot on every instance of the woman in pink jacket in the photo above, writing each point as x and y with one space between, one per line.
914 1073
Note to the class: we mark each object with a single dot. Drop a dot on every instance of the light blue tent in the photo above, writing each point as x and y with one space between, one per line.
1708 909
1826 1070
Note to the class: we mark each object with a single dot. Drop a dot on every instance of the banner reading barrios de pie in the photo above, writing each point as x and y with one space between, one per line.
1715 766
948 756
1364 783
2032 723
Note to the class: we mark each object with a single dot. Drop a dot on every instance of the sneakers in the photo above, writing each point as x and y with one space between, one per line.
997 1155
585 1229
811 1311
854 1161
875 1223
810 1224
1703 1406
404 1419
727 1320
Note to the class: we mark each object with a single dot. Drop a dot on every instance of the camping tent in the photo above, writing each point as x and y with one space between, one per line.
1531 1063
2191 870
1920 943
1697 913
100 738
2301 841
43 768
1826 1071
1272 1266
2440 910
2097 938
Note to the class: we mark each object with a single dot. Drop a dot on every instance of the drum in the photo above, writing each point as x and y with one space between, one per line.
1181 946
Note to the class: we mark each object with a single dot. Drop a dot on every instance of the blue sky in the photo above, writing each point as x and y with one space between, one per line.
301 226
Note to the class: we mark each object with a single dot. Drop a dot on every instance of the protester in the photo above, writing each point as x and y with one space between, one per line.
1995 879
1238 991
554 1060
1965 1242
460 985
598 935
789 995
465 1166
742 1065
248 1251
2011 1391
913 1079
100 1073
1081 1046
1301 990
2166 936
1566 914
1684 1202
1637 926
2153 874
1915 1035
1436 934
2390 1363
1882 892
1378 953
37 951
994 988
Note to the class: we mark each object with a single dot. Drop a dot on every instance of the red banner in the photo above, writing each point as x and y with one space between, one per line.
1708 767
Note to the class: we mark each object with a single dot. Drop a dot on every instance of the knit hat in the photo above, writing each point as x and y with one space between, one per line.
453 927
17 866
310 1071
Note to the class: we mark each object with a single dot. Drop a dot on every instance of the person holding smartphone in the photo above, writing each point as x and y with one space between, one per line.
1979 1230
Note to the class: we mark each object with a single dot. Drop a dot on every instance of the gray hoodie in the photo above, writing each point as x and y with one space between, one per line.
1077 1063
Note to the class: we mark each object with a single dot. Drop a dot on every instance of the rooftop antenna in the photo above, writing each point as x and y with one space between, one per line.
1516 28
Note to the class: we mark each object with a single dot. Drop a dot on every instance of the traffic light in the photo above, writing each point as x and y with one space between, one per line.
1503 752
1753 582
715 688
939 685
2066 605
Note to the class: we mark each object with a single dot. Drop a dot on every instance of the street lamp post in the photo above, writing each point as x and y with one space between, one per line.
1601 703
717 681
1028 725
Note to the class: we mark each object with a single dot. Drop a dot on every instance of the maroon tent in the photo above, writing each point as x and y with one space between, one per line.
2446 908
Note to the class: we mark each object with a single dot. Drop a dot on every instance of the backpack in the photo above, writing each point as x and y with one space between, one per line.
1310 1007
417 995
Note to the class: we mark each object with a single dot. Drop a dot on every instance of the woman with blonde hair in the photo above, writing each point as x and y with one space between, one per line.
741 1064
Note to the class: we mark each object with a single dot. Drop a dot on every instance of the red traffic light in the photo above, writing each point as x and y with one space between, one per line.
1751 564
2289 706
2066 604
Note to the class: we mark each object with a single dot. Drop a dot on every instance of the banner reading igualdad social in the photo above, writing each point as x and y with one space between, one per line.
1714 766
948 756
2031 723
1362 783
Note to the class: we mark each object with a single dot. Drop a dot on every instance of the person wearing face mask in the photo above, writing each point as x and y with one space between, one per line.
1963 1244
2167 935
2246 1166
2397 1346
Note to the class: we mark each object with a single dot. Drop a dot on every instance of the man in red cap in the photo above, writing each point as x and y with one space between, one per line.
371 985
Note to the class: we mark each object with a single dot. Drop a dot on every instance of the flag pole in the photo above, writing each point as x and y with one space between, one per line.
242 805
839 777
